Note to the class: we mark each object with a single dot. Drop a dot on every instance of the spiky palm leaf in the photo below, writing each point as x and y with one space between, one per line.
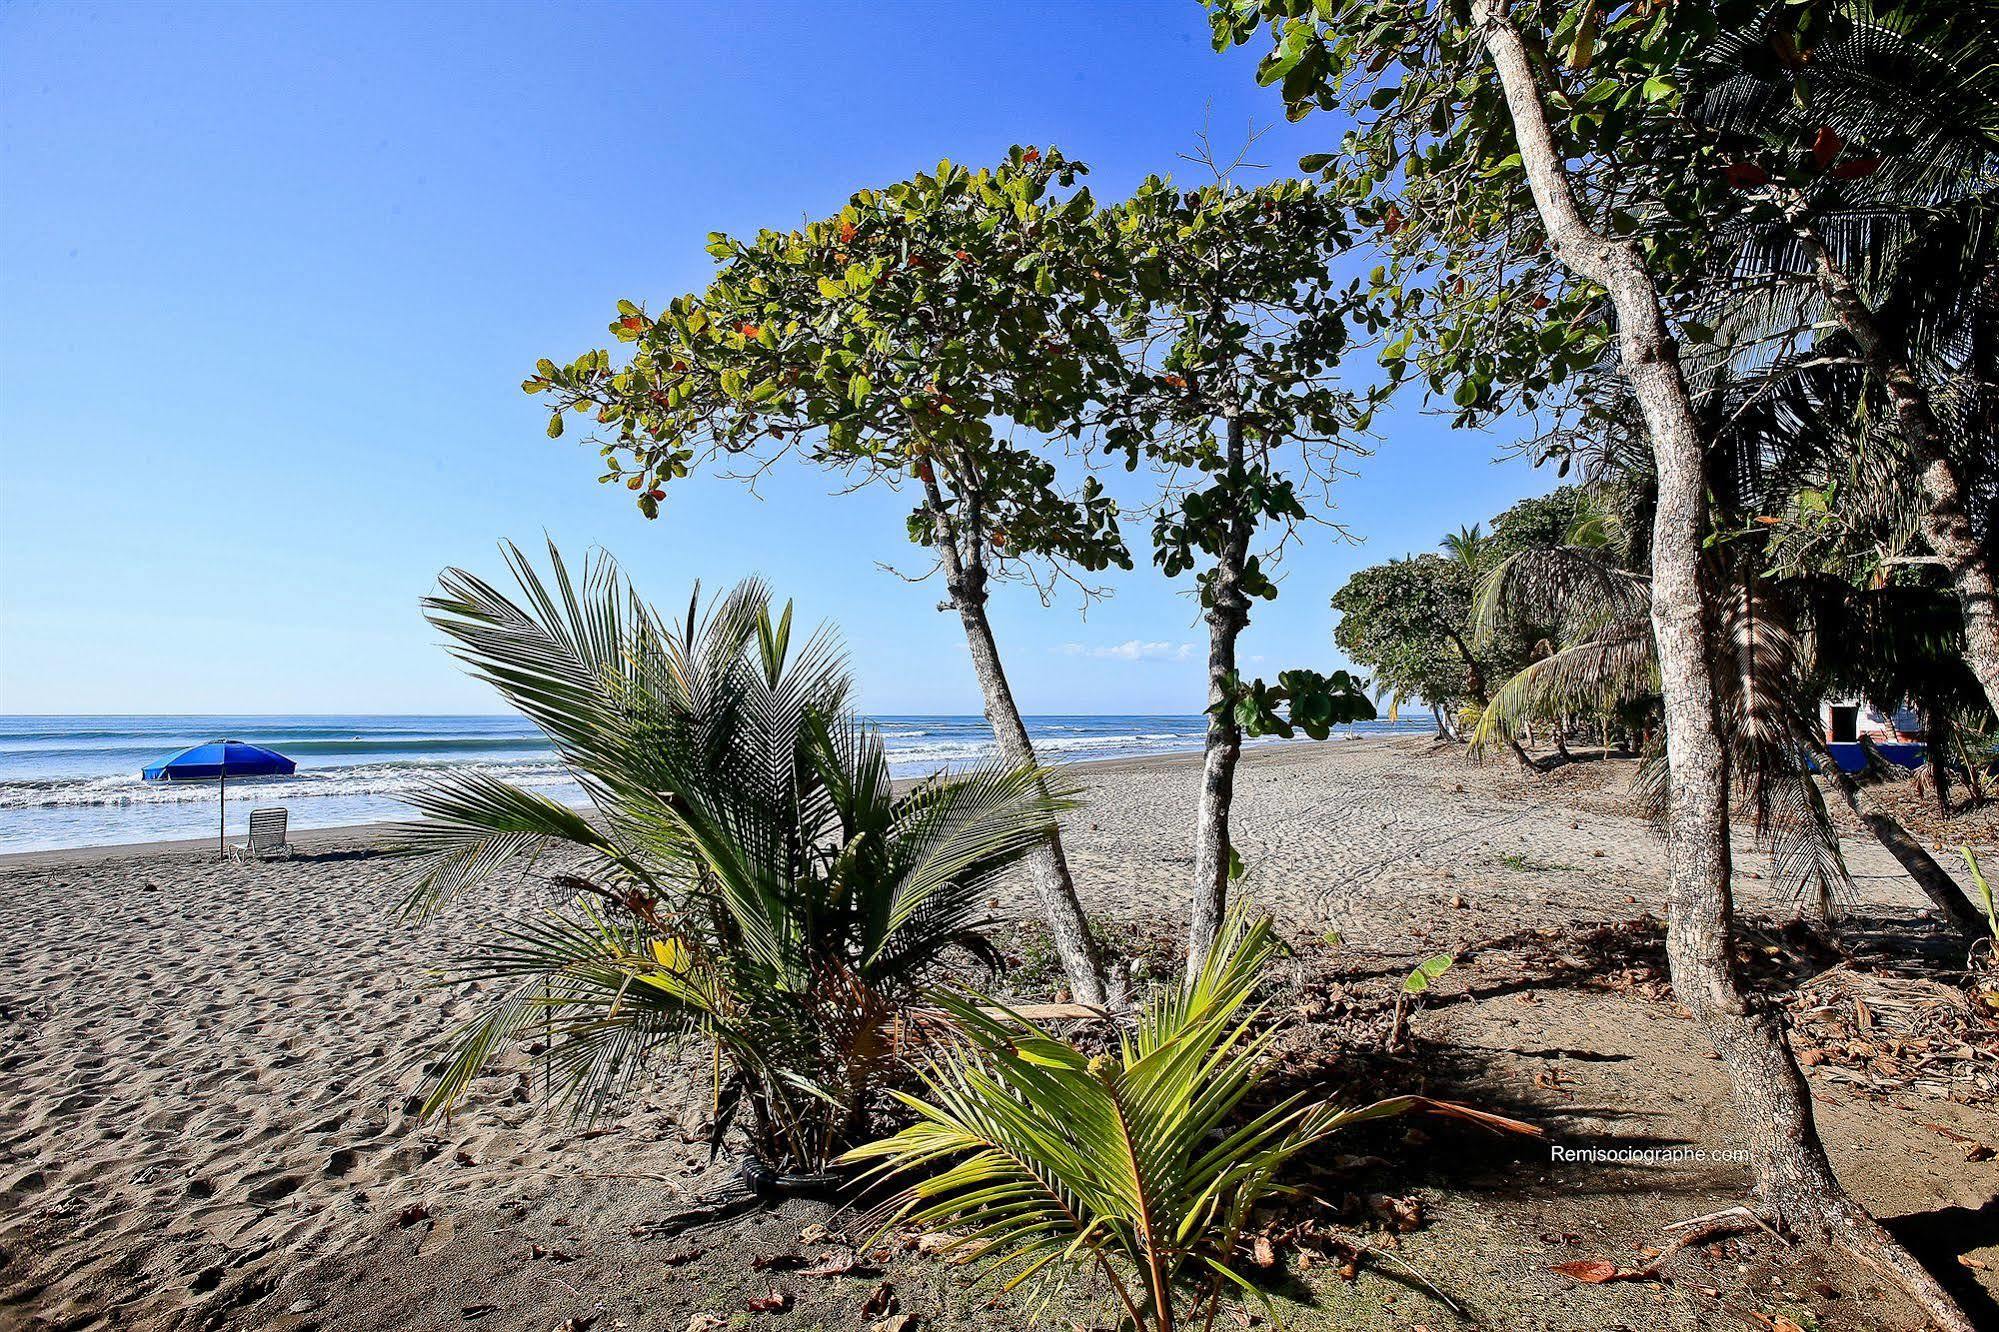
1138 1165
750 876
1768 696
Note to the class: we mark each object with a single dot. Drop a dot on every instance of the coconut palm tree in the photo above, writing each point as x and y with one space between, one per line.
749 877
1468 546
1869 262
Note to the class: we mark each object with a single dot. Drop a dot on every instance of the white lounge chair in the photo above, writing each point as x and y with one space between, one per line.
267 836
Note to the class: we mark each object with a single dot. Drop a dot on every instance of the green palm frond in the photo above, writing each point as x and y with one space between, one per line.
1571 590
748 877
1613 665
1142 1166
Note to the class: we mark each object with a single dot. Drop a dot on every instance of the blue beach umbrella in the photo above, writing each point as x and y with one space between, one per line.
218 761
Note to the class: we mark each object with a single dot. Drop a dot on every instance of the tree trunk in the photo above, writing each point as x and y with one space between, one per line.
1946 526
1939 776
1793 1175
1437 714
1227 613
1932 878
966 581
1475 681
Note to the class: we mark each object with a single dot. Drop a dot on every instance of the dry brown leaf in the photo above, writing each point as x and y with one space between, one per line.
777 1301
1595 1271
880 1301
838 1263
1265 1255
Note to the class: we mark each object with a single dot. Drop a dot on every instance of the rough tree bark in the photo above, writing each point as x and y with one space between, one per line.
1793 1176
1227 614
1946 525
965 580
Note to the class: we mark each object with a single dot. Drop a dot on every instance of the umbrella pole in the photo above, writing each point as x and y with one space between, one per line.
222 813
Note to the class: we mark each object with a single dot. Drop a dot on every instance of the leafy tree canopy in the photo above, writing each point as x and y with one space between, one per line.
893 339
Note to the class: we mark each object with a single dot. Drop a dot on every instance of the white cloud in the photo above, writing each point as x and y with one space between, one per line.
1131 649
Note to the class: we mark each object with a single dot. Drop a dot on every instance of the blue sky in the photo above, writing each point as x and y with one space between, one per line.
270 276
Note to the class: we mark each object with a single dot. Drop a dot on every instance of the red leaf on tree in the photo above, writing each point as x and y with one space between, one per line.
1031 155
748 330
1747 175
1857 168
847 230
1391 220
961 256
1826 145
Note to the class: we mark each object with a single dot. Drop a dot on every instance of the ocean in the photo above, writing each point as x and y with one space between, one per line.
74 781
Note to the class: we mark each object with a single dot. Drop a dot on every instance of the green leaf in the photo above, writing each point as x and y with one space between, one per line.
1427 971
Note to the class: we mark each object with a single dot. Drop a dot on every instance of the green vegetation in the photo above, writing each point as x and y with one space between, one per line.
751 879
1141 1166
1736 256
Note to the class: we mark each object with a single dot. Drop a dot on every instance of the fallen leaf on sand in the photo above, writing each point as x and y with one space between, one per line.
775 1302
895 1323
682 1258
1595 1271
880 1301
704 1323
1973 1263
838 1263
577 1323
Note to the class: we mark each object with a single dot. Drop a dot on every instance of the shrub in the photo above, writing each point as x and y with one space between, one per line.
750 879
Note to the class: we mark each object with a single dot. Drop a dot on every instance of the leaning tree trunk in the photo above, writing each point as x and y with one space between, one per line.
1475 682
966 581
1793 1175
1936 883
1227 613
1946 525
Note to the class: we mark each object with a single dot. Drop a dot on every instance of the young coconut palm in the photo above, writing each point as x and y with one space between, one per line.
1138 1166
750 879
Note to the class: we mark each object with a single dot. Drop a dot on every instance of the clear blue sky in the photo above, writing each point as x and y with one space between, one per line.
270 276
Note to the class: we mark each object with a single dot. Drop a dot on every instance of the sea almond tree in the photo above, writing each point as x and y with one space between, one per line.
1235 327
898 342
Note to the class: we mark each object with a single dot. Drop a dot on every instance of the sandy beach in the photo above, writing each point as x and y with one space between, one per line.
206 1115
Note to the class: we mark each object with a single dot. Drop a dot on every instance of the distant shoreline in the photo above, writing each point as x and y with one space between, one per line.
362 836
